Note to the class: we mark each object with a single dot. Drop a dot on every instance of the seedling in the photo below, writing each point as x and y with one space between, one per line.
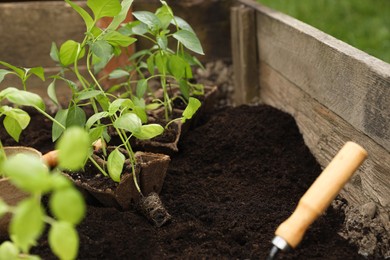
31 175
16 119
109 111
171 66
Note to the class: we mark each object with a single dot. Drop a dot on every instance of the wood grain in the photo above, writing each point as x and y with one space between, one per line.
349 82
244 54
336 94
325 132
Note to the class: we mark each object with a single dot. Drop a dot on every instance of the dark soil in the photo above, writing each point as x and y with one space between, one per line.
236 178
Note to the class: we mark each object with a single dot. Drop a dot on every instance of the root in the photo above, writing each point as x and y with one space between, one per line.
152 207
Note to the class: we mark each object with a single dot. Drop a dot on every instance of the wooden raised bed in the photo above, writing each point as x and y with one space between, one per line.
335 92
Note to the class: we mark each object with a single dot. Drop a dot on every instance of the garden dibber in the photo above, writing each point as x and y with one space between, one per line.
318 197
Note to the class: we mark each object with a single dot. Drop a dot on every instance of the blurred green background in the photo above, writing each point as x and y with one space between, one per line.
364 24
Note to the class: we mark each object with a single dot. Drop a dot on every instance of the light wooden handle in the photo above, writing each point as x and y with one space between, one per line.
321 193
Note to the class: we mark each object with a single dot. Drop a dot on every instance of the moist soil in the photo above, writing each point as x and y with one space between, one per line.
237 176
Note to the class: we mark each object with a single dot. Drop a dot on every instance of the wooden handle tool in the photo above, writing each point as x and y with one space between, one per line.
319 196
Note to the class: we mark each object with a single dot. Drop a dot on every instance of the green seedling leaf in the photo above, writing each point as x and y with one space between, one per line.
177 66
15 121
117 39
86 17
12 127
115 163
165 15
104 102
162 42
68 205
96 32
118 19
182 24
104 8
37 71
95 133
184 88
72 85
51 92
153 106
64 240
18 71
161 62
59 181
148 18
23 98
142 86
192 107
120 103
73 146
75 117
69 50
103 52
189 40
21 116
57 130
94 118
27 172
149 131
88 94
27 223
118 73
8 251
3 73
102 49
140 111
129 122
54 54
134 28
150 64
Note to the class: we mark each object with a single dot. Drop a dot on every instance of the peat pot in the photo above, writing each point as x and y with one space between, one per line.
167 143
151 169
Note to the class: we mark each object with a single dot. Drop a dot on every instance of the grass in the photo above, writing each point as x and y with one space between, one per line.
364 24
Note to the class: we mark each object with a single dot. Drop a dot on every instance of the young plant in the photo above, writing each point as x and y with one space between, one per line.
16 119
66 204
109 111
171 66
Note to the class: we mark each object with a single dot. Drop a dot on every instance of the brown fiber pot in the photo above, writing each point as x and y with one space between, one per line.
8 192
158 144
150 170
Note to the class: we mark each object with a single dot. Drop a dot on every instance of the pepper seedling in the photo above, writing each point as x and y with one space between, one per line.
97 48
66 204
172 66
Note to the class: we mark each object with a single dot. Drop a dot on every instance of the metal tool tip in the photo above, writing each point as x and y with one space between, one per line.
272 254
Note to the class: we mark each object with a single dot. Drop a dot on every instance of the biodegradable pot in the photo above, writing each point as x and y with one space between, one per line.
161 144
167 143
8 192
151 169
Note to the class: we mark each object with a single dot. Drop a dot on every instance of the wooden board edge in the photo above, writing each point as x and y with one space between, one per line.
324 133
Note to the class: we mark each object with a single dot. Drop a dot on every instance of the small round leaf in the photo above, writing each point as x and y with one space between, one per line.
73 148
68 205
64 240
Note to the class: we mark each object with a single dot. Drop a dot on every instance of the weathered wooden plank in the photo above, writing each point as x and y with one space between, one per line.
325 132
209 19
244 54
351 83
28 29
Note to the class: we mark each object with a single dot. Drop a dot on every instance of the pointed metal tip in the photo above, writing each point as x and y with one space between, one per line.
272 254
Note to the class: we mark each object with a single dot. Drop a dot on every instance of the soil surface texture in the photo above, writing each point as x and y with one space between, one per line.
237 176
